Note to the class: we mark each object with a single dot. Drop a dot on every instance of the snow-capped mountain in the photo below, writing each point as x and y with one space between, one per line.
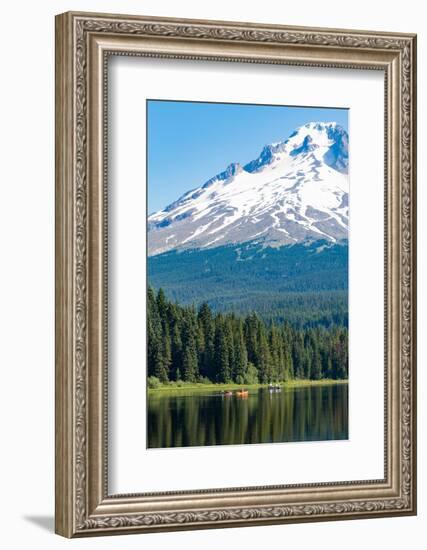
296 190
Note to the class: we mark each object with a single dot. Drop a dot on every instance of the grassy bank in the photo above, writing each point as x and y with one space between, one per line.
186 386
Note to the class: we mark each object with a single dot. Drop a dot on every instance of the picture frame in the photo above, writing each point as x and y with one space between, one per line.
84 505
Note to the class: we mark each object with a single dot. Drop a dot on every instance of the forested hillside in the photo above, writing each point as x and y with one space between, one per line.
189 344
304 284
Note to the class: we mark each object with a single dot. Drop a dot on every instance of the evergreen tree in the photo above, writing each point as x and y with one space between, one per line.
229 343
153 333
277 355
222 358
176 352
162 305
264 363
205 319
316 370
161 362
185 345
240 366
189 354
251 336
298 355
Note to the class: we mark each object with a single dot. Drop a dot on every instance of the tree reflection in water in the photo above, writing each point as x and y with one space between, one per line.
311 413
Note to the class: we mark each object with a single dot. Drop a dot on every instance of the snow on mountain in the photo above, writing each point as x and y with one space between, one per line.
296 190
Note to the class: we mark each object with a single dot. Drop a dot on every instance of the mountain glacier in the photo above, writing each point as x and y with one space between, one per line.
295 191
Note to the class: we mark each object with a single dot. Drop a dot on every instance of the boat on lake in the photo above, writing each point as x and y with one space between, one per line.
227 393
242 393
273 388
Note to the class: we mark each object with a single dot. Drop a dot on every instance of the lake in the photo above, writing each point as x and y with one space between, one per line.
198 418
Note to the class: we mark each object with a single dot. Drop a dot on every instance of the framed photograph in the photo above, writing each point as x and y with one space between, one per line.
235 274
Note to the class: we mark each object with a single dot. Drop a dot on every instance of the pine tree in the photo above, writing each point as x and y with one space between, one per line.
176 352
287 347
276 354
298 355
229 343
264 363
154 329
342 352
205 319
161 366
189 354
316 369
240 367
185 344
162 305
222 359
251 336
289 367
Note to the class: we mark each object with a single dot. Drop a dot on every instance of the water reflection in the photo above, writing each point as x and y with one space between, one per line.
312 413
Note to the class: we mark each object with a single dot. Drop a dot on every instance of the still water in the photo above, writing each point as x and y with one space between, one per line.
184 419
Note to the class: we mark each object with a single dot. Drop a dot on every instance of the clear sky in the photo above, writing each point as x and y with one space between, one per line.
188 142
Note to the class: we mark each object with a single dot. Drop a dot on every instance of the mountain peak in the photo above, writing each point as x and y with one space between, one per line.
321 133
295 190
306 146
232 170
303 140
267 156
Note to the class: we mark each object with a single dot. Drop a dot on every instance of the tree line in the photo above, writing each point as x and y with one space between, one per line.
305 284
191 345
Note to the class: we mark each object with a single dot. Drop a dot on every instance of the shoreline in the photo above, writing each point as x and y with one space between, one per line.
221 387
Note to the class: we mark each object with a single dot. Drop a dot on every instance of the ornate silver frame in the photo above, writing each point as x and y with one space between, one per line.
83 505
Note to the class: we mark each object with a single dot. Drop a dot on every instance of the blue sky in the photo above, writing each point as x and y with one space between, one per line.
188 142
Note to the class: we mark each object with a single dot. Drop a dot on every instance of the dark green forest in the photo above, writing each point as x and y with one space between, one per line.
304 284
199 345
